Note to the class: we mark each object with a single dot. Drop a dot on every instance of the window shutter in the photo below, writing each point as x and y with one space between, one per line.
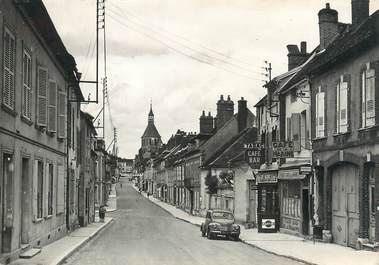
343 106
370 97
60 189
27 86
35 188
289 136
295 122
45 190
69 126
61 114
338 107
375 66
52 114
9 70
363 96
42 97
320 114
347 80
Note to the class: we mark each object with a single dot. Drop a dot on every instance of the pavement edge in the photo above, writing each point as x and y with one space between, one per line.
89 238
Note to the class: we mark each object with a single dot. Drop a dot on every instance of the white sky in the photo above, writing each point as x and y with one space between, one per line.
140 68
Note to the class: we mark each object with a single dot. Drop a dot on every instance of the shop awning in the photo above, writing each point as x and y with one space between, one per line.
290 174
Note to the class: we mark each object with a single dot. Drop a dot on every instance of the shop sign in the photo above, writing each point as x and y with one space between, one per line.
267 177
254 154
268 223
282 149
305 170
290 174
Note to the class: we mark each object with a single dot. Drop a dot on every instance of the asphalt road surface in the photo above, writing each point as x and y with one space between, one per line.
143 233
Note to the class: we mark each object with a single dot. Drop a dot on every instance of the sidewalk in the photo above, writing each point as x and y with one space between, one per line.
287 245
57 252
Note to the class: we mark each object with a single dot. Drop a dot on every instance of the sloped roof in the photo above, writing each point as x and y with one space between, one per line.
342 48
151 131
232 149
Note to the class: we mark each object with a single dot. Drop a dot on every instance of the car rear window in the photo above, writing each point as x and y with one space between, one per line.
222 215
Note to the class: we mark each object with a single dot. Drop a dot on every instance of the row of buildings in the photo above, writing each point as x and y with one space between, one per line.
53 169
308 163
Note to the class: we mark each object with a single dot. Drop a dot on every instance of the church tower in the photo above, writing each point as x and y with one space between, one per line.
151 139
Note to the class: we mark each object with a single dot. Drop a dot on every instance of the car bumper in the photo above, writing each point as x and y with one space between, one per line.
224 233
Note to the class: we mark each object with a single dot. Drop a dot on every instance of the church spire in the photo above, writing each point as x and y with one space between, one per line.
151 114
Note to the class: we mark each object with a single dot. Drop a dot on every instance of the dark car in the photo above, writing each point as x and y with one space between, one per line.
220 223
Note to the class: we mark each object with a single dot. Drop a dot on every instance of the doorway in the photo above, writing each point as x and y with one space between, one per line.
345 198
7 203
25 208
305 206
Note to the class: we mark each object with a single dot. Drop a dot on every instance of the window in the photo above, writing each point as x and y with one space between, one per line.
52 109
368 97
39 189
320 113
51 190
27 85
60 189
61 113
342 104
296 131
41 97
9 69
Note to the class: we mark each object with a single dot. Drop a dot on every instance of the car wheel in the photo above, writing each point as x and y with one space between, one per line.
209 235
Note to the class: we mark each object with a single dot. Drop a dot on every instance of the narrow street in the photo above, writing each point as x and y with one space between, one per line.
143 233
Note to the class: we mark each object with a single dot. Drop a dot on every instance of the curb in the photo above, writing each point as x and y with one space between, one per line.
276 254
243 241
70 253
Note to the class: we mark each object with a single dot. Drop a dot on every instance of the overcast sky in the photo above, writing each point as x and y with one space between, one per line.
183 54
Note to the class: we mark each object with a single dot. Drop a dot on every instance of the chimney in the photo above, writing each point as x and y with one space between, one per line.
206 123
225 111
242 114
359 11
328 25
296 57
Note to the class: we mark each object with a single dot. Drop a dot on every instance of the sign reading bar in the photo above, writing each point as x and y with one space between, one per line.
282 149
267 177
254 154
305 170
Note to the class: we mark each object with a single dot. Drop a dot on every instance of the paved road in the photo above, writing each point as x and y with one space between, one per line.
145 234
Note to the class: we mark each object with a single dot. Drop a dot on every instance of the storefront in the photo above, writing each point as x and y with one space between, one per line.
268 202
295 201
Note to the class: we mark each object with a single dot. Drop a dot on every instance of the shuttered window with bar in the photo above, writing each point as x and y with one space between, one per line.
368 96
27 85
52 109
342 103
9 63
42 96
320 114
61 113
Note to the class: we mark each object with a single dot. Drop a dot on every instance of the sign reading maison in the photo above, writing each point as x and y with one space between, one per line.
282 149
254 154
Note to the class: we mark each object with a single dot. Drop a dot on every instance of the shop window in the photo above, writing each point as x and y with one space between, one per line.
291 204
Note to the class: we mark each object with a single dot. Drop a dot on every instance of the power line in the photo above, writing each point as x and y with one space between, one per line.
184 45
178 36
181 52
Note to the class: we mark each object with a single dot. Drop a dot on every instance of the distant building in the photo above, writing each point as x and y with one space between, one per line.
151 140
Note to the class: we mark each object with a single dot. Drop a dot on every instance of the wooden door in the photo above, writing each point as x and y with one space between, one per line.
345 208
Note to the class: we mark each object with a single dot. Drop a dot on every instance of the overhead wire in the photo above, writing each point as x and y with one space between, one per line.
143 22
179 51
185 46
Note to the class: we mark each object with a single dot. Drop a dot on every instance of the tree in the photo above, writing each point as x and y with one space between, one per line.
211 181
